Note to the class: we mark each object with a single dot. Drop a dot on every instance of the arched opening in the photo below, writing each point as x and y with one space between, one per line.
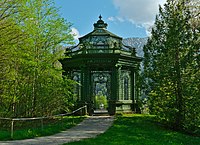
101 90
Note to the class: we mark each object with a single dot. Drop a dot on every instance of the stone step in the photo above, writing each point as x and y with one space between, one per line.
101 113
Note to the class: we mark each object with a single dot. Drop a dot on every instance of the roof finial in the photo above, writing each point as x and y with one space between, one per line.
100 17
100 24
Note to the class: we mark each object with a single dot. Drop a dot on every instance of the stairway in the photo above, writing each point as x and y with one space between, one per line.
101 112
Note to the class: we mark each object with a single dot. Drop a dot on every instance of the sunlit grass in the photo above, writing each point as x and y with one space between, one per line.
139 130
50 127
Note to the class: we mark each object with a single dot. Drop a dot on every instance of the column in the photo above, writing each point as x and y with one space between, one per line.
114 91
133 85
88 91
83 88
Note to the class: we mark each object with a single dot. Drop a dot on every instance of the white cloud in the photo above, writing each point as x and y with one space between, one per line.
75 33
112 19
120 19
139 12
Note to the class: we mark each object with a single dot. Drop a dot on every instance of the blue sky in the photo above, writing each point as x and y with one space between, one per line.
125 18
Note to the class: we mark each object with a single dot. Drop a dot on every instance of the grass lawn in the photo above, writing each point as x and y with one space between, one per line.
31 129
139 130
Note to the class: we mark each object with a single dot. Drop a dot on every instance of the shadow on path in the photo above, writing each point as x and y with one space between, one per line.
89 128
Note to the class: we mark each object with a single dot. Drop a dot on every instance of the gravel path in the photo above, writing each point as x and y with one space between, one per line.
89 128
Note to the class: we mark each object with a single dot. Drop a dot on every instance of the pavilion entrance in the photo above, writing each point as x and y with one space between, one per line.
101 90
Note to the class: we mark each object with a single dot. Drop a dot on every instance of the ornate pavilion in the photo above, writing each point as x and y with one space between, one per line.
105 71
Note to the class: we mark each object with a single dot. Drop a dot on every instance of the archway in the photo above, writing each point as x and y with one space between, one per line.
101 90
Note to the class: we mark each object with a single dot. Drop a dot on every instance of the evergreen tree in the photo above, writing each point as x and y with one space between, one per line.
171 60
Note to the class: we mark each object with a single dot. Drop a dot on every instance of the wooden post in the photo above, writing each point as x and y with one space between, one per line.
12 128
62 120
73 119
85 108
42 126
72 115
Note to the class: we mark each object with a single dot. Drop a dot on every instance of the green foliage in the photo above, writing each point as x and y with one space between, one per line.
99 100
139 130
171 66
31 83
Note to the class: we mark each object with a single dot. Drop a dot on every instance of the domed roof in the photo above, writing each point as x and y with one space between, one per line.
100 37
100 40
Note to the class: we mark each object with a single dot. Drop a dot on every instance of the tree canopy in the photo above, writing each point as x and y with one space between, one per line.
32 37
